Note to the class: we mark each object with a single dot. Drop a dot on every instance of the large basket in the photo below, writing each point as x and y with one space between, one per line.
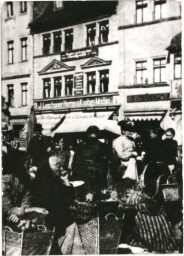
99 227
17 244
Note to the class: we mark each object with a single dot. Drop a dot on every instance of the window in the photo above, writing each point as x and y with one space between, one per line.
159 70
46 44
57 86
91 34
140 10
68 85
24 94
11 95
177 67
91 82
9 9
104 32
57 42
104 81
68 39
23 7
46 88
58 5
23 49
10 52
141 72
159 9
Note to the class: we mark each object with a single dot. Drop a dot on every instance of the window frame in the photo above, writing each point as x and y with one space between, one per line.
10 51
70 30
57 85
48 86
141 7
10 89
106 73
23 7
24 46
24 92
67 85
54 45
88 26
93 73
159 3
141 69
106 22
11 13
160 67
44 38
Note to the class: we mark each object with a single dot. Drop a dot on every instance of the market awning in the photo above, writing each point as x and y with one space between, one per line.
79 122
145 116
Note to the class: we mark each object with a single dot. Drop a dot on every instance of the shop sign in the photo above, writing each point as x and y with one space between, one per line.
78 83
81 102
148 97
79 54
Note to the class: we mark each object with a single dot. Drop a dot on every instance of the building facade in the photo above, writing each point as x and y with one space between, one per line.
76 60
16 68
147 78
85 59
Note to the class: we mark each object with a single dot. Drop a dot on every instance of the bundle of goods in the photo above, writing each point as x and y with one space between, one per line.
37 242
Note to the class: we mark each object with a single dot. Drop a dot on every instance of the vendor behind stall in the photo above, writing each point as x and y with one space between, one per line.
39 147
91 162
126 151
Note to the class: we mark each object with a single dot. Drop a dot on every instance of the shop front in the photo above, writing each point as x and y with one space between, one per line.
70 117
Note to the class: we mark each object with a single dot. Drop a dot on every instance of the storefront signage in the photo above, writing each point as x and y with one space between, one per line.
79 54
148 97
81 102
78 83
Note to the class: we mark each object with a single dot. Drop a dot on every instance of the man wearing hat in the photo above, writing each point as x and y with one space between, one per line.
126 151
91 162
39 147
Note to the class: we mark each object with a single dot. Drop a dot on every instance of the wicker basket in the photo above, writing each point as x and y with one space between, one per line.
17 244
99 227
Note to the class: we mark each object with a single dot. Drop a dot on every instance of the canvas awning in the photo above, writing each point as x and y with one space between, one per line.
79 122
145 116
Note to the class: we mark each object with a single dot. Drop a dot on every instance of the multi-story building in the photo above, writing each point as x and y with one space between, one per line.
146 28
16 68
76 60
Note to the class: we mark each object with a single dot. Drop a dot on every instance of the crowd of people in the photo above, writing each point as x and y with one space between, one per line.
37 186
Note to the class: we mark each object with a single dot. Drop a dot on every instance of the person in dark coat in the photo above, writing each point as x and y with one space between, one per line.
52 190
154 158
91 162
39 147
170 149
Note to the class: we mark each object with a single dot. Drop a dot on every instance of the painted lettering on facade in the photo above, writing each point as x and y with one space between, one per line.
148 97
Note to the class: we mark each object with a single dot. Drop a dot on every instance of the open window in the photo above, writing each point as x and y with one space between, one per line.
104 31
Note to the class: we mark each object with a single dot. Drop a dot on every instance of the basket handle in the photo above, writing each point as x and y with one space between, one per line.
41 228
7 228
111 214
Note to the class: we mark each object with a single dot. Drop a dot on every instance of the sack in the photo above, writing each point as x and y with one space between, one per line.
36 243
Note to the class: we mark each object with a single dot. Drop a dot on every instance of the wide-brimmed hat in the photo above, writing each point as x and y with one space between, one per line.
93 130
38 128
127 125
